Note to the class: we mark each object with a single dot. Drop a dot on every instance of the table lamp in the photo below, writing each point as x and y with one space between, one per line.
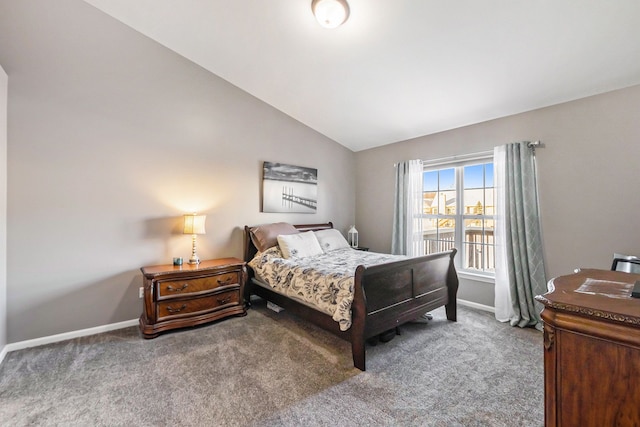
194 225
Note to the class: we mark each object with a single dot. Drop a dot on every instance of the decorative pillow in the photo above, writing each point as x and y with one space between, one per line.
299 245
331 239
266 236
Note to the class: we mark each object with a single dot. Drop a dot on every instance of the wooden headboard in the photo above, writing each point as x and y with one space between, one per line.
250 249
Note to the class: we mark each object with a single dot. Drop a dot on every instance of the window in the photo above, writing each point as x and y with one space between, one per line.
458 211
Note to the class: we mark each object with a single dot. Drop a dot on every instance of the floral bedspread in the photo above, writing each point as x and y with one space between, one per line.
324 281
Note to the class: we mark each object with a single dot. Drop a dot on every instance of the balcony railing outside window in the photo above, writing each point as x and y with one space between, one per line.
479 253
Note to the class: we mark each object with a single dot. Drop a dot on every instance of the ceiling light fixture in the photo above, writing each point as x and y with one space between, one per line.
330 13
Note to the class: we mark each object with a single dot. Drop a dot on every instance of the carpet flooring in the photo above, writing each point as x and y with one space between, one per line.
272 369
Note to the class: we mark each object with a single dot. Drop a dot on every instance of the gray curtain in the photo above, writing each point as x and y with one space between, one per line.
407 238
520 269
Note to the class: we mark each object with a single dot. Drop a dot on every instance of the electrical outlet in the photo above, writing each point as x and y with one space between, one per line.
141 292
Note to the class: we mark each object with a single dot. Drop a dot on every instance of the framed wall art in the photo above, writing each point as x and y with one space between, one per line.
289 188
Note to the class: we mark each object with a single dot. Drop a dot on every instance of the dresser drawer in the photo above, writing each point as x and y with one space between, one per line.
193 306
168 289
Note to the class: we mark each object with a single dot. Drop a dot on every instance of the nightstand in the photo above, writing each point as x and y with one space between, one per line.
187 295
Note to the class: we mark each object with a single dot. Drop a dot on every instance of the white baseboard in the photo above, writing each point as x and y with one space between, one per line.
65 336
476 305
3 353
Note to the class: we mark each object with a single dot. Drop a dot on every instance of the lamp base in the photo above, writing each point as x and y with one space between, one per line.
195 259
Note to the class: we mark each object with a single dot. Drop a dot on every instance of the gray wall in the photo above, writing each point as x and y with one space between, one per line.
111 138
3 207
588 174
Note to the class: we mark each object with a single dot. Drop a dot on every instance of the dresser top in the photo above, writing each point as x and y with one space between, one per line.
212 264
595 293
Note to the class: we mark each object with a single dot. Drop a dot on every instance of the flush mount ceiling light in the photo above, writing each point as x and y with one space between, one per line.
330 13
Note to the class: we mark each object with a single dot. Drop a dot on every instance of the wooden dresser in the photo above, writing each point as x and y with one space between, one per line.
189 295
592 350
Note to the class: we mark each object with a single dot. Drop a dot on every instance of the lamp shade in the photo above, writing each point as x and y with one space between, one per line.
330 13
194 224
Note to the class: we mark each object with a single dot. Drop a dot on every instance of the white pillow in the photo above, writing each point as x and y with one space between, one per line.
299 245
331 239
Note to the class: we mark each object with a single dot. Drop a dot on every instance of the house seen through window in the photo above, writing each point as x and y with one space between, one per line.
458 211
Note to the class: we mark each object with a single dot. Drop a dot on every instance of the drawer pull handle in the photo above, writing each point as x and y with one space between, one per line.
180 289
224 300
176 310
225 282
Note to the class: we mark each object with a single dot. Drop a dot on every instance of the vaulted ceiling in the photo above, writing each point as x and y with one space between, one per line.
399 69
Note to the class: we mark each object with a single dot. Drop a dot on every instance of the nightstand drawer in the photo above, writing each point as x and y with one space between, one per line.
189 307
175 288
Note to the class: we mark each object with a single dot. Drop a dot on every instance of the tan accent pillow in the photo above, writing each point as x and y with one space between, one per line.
266 236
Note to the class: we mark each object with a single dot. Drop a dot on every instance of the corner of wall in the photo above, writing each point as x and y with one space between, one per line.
4 85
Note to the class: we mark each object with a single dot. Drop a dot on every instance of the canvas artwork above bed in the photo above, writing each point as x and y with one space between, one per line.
289 188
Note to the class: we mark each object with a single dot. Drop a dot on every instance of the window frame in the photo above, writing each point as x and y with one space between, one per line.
458 163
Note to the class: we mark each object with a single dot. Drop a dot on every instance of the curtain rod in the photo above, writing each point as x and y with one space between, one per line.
473 156
534 144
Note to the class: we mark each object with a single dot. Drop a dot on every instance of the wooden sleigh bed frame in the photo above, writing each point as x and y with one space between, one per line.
386 295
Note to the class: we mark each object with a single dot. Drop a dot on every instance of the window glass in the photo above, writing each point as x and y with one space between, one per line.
469 227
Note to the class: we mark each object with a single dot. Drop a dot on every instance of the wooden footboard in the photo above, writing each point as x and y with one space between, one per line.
385 295
388 295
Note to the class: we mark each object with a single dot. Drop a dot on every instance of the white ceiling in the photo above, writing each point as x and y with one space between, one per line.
398 69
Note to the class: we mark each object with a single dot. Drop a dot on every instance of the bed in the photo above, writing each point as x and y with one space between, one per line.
384 295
